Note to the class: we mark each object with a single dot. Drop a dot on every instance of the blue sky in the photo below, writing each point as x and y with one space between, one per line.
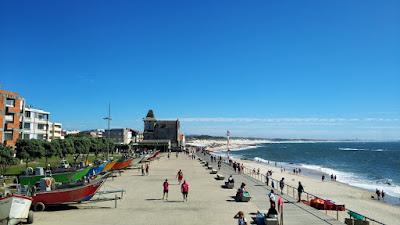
297 69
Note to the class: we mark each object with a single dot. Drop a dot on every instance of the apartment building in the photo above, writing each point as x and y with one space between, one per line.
35 124
121 135
55 131
11 105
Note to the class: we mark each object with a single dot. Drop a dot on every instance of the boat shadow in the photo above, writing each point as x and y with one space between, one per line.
56 208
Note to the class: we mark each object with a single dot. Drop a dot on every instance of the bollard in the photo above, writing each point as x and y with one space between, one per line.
337 214
293 192
116 201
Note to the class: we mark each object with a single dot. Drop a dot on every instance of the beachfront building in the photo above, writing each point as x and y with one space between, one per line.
121 135
11 105
55 131
162 134
35 124
96 133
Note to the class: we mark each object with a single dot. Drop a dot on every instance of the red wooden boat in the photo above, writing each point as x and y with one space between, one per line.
155 154
122 165
66 195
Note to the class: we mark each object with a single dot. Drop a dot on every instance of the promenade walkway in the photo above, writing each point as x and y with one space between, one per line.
208 202
294 213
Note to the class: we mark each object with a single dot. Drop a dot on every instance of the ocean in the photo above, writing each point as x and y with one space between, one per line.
367 165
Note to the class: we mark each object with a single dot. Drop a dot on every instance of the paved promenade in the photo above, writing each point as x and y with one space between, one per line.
208 202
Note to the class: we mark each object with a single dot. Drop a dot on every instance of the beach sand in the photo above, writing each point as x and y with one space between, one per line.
356 199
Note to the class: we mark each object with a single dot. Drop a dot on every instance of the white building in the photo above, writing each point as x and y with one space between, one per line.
55 131
35 124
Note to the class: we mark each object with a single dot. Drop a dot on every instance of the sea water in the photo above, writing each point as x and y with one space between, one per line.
367 165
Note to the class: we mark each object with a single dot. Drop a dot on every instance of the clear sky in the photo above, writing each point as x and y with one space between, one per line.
297 69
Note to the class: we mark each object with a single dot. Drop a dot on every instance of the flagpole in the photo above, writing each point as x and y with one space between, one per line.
227 143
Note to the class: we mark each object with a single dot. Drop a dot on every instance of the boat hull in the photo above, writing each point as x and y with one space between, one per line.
68 195
122 165
65 177
109 166
14 209
96 170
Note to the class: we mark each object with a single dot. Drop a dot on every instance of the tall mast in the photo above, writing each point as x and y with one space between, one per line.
227 143
108 118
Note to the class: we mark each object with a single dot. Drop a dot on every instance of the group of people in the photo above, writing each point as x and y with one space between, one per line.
184 187
296 171
333 177
380 194
145 169
237 167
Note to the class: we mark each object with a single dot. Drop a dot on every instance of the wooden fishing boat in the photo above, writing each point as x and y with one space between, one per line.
67 195
109 166
96 169
122 164
64 177
14 209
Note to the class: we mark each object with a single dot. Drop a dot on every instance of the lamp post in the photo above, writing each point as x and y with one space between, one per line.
108 118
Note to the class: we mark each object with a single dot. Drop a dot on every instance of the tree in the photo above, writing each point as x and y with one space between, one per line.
49 150
6 158
29 150
66 147
81 146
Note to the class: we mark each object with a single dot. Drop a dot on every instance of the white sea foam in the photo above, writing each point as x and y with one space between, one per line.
357 181
361 149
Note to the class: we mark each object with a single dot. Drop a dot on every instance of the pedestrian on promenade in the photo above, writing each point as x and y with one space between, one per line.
219 165
282 184
280 204
241 168
185 190
240 217
177 154
168 155
147 169
234 166
267 178
142 168
300 190
179 175
165 189
271 197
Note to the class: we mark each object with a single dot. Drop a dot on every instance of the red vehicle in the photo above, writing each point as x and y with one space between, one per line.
66 195
122 165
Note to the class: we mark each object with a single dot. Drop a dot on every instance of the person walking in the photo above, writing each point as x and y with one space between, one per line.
147 169
271 197
219 165
185 190
142 168
179 175
165 189
280 204
267 178
300 190
282 184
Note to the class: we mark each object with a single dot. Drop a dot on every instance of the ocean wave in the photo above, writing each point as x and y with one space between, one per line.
361 149
357 181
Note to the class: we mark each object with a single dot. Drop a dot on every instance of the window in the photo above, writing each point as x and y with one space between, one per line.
41 127
28 114
27 126
8 135
9 118
26 136
40 136
42 116
10 102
